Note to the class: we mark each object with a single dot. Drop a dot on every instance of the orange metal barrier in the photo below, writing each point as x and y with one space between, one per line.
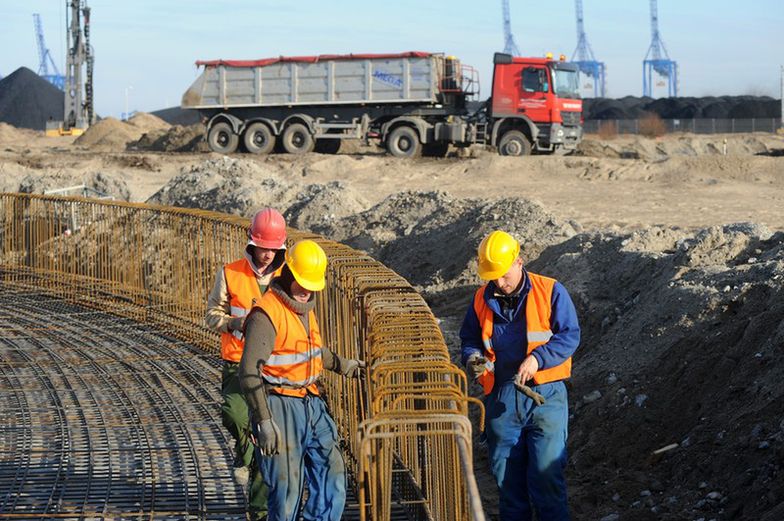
406 427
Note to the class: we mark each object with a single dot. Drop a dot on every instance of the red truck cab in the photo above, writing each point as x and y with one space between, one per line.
540 98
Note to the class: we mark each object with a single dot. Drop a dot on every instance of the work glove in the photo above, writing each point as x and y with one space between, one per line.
352 368
268 439
475 366
520 385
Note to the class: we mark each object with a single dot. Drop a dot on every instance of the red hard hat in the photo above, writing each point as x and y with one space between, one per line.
268 230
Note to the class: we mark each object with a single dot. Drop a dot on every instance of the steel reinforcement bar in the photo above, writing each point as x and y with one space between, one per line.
407 439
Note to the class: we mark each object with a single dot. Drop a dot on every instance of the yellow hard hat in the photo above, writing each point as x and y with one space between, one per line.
497 253
308 263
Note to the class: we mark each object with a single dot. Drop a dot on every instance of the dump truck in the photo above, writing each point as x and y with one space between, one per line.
412 103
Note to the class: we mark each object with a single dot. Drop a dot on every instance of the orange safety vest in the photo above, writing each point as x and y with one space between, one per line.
538 309
295 363
244 293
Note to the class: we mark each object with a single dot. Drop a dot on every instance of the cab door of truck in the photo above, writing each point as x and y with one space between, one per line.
520 88
533 92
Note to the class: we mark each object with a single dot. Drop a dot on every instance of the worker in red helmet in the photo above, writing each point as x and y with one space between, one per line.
238 286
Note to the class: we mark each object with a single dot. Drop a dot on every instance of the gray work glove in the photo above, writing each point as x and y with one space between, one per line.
235 323
475 366
269 440
352 368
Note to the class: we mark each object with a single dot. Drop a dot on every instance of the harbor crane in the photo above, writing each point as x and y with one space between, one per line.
45 57
657 62
584 58
510 47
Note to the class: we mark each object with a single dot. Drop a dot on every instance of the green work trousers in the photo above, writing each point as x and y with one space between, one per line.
234 413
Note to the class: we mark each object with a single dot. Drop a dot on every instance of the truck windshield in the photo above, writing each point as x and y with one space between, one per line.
565 83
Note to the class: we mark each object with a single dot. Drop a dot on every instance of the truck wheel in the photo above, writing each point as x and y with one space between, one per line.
435 149
327 146
297 139
514 143
258 139
404 142
222 138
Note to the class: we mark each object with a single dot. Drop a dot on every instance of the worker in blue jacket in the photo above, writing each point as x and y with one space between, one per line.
518 337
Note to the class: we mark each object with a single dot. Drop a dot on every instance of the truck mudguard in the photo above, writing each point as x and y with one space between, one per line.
420 124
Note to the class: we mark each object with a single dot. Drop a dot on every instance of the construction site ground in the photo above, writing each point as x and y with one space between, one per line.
672 249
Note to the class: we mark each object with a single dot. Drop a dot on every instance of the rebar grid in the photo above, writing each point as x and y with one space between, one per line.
408 440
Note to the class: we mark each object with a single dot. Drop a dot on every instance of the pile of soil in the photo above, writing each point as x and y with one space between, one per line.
147 122
724 107
109 134
638 147
242 186
682 335
173 139
37 183
11 134
29 101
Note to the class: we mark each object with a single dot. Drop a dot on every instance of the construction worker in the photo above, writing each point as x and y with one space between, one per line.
296 438
518 337
238 286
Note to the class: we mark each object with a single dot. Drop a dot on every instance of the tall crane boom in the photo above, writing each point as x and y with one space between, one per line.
657 60
45 57
510 47
584 58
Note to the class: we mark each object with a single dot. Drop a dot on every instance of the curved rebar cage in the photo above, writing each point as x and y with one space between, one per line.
407 436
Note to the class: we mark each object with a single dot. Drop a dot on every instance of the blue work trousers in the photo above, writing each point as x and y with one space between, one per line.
309 452
528 451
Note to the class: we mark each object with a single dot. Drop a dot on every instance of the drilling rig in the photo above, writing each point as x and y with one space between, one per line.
79 112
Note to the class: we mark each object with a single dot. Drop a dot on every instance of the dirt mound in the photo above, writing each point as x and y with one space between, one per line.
29 101
9 133
724 107
147 122
318 206
109 134
638 147
173 139
38 183
237 186
682 332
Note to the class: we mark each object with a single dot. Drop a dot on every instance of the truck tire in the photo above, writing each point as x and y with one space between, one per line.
514 143
222 138
297 139
404 142
327 146
258 139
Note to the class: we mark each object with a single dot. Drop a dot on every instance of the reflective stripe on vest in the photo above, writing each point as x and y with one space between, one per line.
243 288
295 363
538 309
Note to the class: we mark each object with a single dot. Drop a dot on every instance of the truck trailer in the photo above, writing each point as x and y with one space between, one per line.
412 103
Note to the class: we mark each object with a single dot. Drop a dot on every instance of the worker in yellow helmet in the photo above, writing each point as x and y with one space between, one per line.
518 337
282 361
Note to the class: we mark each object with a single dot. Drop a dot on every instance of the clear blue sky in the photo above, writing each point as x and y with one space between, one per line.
149 47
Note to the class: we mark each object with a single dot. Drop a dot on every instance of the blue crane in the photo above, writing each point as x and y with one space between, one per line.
45 57
510 47
583 56
658 61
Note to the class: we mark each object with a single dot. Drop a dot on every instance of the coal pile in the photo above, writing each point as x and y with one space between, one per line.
724 107
28 101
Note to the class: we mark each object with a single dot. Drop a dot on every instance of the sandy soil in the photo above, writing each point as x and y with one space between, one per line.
682 184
